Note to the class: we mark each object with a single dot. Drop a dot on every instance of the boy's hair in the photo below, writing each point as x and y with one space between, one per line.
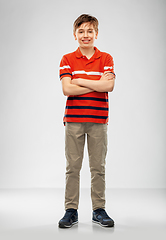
84 18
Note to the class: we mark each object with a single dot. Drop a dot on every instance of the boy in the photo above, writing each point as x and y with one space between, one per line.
87 76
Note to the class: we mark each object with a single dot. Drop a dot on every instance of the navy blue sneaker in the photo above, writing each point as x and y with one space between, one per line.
101 217
70 218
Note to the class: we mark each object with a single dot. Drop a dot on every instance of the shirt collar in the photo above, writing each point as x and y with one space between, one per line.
96 55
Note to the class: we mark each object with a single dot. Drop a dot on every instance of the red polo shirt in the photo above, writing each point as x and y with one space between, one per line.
90 107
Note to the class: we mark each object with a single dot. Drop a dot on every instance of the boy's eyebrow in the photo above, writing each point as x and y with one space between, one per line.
84 29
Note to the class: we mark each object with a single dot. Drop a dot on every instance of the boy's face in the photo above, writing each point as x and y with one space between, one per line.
85 35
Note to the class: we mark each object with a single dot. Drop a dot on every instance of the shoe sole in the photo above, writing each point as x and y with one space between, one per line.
102 224
65 226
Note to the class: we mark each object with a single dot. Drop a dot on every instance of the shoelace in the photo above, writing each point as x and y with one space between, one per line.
68 213
102 212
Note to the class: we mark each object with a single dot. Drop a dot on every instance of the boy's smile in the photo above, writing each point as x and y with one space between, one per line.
85 35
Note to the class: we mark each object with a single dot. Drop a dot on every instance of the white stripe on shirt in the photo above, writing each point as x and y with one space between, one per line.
67 66
107 67
87 73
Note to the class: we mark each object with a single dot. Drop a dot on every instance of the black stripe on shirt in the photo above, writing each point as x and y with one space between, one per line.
112 73
88 98
65 74
87 107
85 116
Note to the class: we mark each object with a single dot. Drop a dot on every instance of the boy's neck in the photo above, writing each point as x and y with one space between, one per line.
88 52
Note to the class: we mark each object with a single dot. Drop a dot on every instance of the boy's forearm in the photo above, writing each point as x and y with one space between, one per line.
73 89
98 86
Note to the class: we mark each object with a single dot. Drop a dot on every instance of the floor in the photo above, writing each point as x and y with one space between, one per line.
34 214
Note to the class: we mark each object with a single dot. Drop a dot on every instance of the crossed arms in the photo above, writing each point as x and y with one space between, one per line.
80 86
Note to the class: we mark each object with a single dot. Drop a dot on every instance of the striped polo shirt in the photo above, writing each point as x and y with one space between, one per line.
90 107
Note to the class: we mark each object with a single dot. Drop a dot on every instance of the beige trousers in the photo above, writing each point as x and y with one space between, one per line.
97 148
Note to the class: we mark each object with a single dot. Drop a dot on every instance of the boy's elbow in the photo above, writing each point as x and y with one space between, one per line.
110 88
65 92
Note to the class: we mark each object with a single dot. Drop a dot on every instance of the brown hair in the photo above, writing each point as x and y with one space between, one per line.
84 18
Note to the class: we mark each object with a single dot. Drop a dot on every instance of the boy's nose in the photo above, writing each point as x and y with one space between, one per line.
85 34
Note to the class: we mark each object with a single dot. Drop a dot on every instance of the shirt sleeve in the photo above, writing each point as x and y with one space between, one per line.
65 68
109 64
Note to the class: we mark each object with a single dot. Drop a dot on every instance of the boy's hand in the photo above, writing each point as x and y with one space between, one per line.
75 81
107 75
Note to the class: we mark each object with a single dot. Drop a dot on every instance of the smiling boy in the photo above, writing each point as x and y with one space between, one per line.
87 76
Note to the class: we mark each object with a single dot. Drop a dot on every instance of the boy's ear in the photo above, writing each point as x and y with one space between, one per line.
75 36
96 35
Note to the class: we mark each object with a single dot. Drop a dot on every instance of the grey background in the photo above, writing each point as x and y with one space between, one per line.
34 36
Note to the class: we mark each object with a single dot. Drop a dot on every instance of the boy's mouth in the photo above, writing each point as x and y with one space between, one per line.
85 41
